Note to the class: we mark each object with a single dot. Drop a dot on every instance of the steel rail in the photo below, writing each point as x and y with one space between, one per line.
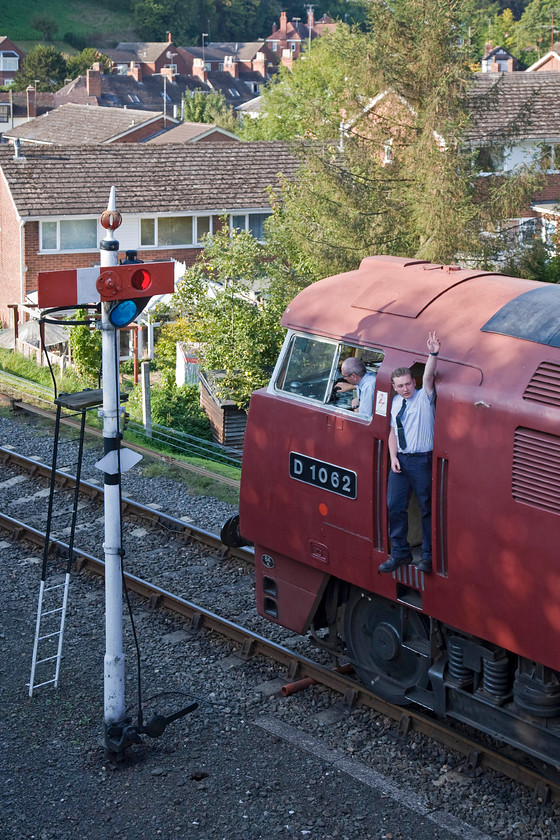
300 667
180 528
143 450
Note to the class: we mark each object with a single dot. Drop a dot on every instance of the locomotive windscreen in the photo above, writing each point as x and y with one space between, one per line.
534 316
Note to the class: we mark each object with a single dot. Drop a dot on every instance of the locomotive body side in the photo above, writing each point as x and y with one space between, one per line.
314 476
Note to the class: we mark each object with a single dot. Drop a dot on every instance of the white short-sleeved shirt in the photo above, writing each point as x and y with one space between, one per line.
365 389
417 421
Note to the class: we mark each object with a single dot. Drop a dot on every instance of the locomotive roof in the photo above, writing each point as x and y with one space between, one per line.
361 306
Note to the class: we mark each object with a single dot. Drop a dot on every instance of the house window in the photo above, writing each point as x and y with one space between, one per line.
69 235
548 232
274 45
388 152
4 113
293 46
491 158
550 157
252 222
173 231
9 61
235 93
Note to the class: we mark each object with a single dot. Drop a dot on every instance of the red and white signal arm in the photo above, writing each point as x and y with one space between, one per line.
80 286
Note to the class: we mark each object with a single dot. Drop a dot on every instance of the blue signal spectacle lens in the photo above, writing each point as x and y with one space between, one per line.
125 312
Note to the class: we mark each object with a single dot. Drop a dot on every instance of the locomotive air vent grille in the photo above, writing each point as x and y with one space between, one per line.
544 386
536 469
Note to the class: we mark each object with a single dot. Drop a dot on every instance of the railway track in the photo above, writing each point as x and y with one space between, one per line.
19 405
300 670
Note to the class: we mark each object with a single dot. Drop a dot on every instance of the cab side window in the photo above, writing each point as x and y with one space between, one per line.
311 368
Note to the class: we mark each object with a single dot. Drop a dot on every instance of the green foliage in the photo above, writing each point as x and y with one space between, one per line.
534 263
85 344
175 408
209 108
231 301
27 368
45 24
388 171
43 64
78 65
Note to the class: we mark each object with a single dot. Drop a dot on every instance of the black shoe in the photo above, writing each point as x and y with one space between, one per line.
425 566
393 563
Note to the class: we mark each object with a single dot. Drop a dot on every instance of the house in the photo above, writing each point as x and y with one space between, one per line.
73 125
192 132
291 38
548 63
170 196
498 60
17 107
154 92
148 57
515 122
248 55
11 59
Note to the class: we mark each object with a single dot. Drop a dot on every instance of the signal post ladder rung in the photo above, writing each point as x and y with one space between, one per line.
79 402
60 633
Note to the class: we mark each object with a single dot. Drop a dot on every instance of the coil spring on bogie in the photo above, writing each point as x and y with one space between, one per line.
457 670
495 677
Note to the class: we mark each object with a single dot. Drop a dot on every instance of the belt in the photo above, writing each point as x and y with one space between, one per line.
414 454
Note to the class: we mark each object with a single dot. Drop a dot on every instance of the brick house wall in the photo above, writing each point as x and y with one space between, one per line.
145 131
33 261
10 264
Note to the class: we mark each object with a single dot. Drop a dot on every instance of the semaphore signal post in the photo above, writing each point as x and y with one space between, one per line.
121 291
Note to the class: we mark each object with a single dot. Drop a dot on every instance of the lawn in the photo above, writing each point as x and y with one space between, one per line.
104 24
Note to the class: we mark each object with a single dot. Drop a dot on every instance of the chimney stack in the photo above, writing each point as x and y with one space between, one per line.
283 21
135 70
259 64
31 102
199 70
231 66
287 59
93 82
169 37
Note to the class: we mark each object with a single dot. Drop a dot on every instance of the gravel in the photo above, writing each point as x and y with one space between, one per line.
220 773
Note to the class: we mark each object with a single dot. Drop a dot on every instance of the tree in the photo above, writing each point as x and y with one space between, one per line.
85 346
231 301
44 66
45 24
385 169
204 107
78 65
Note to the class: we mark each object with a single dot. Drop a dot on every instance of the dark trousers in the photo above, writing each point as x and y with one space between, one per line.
416 474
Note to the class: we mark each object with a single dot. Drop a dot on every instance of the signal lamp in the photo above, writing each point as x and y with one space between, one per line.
126 311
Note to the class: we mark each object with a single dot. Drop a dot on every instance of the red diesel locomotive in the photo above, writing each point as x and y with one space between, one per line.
478 638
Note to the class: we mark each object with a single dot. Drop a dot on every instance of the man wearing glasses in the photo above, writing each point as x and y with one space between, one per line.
357 376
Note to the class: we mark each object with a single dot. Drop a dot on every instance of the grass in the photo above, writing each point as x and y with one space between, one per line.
102 23
197 485
27 369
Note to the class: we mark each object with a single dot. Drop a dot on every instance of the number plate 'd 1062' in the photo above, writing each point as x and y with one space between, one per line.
320 474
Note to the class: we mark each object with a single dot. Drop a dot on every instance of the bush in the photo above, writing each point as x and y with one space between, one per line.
175 408
79 42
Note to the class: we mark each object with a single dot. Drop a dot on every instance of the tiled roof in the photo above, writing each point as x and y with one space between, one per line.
72 125
188 132
147 51
526 103
216 51
125 92
148 178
